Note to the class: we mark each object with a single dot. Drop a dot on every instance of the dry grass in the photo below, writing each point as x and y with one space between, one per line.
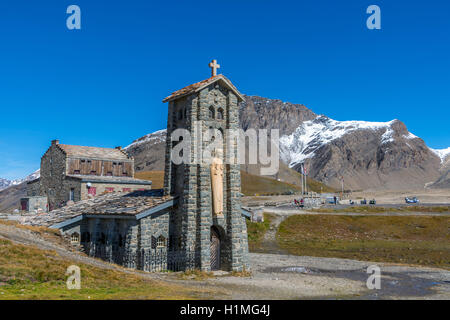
195 275
27 272
156 177
412 240
242 274
257 185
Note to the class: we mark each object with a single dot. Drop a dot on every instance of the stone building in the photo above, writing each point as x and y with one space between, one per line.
74 173
219 237
34 204
196 221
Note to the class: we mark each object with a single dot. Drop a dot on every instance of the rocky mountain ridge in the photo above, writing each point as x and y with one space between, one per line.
364 154
4 183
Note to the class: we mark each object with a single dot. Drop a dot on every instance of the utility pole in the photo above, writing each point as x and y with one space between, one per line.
301 176
306 179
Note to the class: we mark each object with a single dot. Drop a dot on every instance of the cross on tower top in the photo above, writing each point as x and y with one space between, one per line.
214 66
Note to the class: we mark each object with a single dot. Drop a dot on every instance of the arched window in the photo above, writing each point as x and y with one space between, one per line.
211 112
220 114
75 238
161 242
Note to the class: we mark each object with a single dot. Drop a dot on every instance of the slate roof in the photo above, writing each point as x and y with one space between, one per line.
116 204
108 179
94 152
202 84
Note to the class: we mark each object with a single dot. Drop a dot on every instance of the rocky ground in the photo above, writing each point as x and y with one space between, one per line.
277 276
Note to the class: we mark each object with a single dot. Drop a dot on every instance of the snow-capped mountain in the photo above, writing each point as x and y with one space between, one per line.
311 135
4 183
365 154
442 153
8 183
362 154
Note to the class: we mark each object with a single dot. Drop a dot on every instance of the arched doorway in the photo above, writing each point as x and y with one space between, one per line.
215 249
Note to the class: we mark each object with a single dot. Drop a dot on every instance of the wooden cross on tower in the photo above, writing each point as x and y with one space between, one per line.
214 66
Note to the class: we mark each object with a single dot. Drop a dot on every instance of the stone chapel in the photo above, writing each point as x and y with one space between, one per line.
196 221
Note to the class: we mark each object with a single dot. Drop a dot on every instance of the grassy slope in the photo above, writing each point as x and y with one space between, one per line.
251 184
411 240
313 185
27 272
257 185
10 197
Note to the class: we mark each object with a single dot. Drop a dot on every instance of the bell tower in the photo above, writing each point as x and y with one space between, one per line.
207 222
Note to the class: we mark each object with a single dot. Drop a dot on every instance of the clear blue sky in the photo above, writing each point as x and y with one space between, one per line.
103 85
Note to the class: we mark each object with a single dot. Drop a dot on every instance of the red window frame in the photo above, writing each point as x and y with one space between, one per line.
92 191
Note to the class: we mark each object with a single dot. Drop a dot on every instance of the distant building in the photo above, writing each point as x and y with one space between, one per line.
34 204
74 173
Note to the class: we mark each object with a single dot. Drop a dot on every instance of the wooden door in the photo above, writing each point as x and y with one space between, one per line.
215 249
24 205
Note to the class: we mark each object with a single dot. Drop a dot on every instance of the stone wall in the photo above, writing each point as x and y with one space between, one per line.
53 170
35 204
34 188
120 239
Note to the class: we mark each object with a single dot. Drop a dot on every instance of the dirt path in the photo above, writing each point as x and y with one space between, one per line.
269 242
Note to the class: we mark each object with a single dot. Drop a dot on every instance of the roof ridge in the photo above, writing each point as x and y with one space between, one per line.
195 87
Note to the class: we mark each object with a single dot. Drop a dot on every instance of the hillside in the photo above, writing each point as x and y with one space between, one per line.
251 184
10 197
444 180
34 260
156 177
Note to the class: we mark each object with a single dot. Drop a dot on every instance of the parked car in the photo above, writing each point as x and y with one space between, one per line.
411 200
363 201
372 201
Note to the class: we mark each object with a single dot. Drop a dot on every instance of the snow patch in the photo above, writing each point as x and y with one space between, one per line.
410 136
313 134
157 136
441 153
